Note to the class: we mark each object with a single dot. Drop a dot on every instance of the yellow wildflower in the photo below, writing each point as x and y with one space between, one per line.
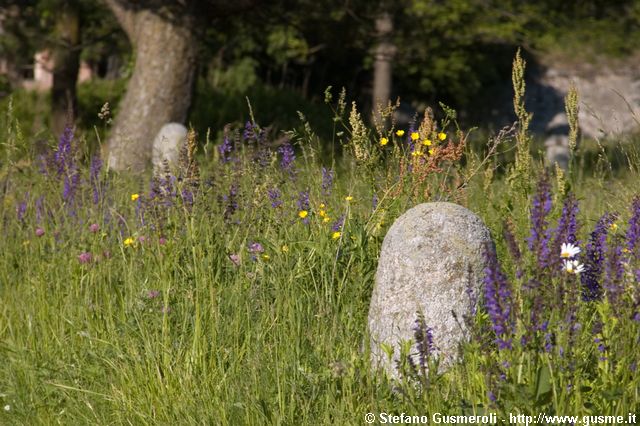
415 136
134 197
266 257
336 235
322 213
348 198
322 206
416 153
129 241
614 227
442 136
285 248
426 142
431 151
384 141
400 133
326 219
303 214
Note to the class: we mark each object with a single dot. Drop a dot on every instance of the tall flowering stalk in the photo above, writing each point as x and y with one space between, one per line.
288 159
275 197
538 240
63 156
498 299
94 177
633 238
225 149
594 257
566 231
327 181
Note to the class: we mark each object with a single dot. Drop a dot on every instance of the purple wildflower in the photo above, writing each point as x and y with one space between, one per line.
94 227
85 257
539 238
633 237
162 241
39 232
39 208
231 201
424 341
274 196
498 301
94 177
288 157
63 156
549 340
303 200
338 224
327 181
566 231
225 149
249 132
593 259
255 248
21 210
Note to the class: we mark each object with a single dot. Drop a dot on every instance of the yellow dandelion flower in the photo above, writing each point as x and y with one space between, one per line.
442 136
400 133
322 213
426 142
129 241
285 248
326 219
336 235
303 214
348 198
384 141
134 197
415 136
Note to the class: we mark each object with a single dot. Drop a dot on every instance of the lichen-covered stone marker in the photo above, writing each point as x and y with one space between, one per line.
431 260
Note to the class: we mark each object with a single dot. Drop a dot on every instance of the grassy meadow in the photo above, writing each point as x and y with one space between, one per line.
234 288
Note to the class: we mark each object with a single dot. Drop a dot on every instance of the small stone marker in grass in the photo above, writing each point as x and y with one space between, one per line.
167 145
431 262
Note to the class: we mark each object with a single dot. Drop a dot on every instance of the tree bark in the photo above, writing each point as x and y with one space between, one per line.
160 88
383 64
66 60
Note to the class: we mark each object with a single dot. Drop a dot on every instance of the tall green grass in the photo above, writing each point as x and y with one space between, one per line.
191 325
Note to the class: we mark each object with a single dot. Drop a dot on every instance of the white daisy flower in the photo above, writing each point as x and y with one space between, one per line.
568 250
573 266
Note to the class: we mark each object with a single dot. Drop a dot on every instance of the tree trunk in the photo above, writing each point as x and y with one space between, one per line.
160 88
382 66
66 60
